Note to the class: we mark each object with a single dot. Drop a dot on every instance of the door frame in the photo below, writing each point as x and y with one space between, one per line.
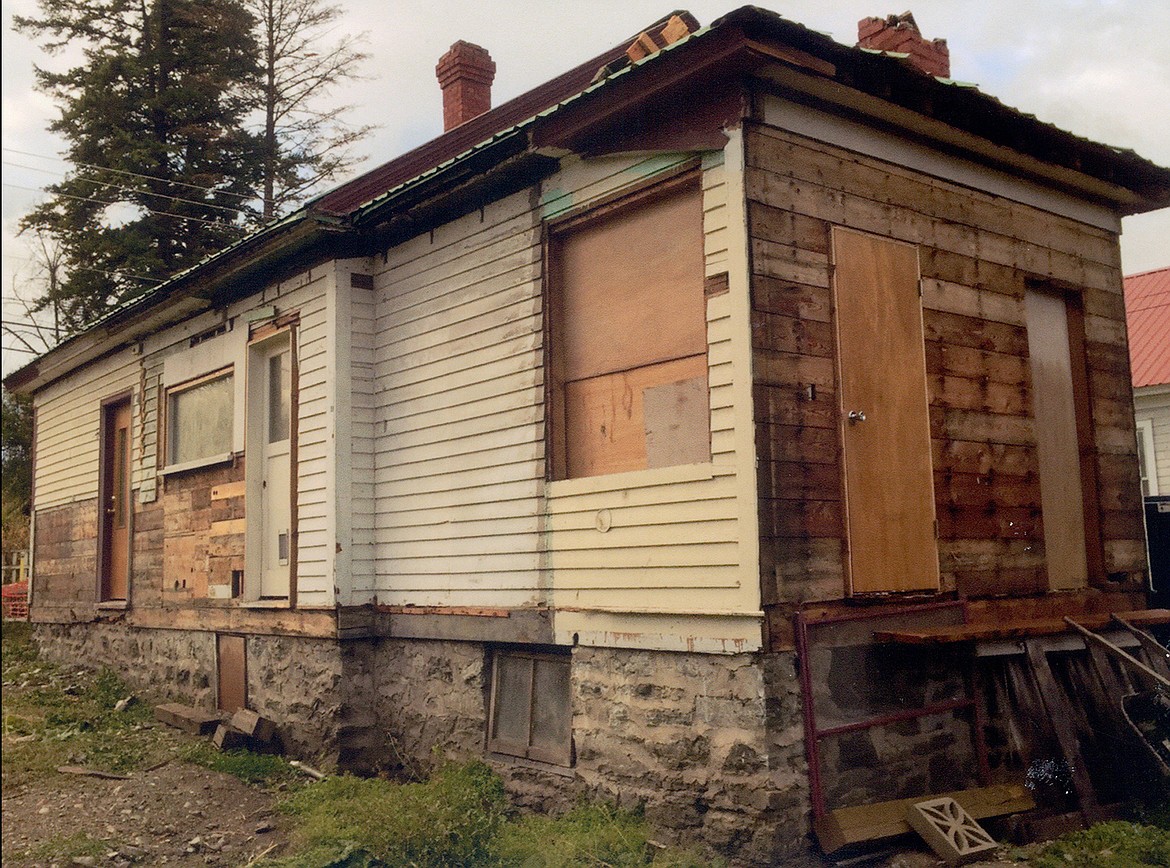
255 421
107 409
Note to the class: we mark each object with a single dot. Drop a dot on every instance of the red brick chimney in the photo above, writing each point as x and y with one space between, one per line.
900 33
465 74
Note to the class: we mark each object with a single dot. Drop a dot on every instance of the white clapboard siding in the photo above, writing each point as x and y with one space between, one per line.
308 294
68 414
682 533
360 503
462 512
458 406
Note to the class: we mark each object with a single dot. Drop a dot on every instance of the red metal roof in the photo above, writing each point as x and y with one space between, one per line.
1147 313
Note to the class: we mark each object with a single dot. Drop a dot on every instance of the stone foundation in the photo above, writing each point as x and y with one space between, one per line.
710 746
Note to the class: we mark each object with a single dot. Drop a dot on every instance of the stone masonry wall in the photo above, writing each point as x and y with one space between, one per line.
710 745
177 663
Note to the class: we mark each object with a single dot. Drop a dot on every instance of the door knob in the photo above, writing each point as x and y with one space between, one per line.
856 415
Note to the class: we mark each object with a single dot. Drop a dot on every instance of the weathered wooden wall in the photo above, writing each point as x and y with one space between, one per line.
977 253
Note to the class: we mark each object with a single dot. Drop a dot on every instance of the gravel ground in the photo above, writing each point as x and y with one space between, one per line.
178 814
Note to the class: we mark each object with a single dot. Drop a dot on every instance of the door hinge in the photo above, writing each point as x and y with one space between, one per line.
920 287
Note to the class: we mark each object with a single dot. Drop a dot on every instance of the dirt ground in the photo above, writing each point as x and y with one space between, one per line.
178 814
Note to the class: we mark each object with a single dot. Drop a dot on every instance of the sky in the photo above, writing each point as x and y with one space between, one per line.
1098 68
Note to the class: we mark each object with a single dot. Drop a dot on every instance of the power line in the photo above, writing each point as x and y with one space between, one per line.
243 196
153 211
96 182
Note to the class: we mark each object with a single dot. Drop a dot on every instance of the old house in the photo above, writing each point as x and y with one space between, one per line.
1147 311
652 434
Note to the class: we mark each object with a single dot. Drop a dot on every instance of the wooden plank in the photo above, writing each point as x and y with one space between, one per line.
605 421
230 527
607 322
1023 629
228 490
1059 716
1158 654
1119 653
871 824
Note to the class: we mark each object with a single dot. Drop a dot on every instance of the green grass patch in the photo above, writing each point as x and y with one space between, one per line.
452 819
1106 845
57 715
459 817
252 768
64 848
588 836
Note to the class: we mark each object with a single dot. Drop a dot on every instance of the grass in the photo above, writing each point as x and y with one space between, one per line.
64 848
258 769
460 817
1107 845
589 835
59 715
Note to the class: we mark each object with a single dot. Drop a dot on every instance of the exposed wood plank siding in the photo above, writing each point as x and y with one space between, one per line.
977 251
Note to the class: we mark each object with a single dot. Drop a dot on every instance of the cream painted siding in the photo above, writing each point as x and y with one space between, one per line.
463 515
68 428
667 558
309 294
459 465
351 322
1153 403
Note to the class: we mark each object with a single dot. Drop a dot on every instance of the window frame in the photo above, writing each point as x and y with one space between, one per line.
168 431
646 192
562 756
1148 462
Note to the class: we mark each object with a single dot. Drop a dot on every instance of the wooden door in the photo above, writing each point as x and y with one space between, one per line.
115 500
885 423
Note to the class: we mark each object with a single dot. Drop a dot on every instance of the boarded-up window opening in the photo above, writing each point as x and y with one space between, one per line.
629 336
530 713
1062 424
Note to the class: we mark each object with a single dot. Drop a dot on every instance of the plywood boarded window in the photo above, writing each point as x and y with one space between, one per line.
530 713
1064 443
629 335
231 672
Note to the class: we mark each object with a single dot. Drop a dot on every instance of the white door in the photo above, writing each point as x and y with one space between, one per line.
268 463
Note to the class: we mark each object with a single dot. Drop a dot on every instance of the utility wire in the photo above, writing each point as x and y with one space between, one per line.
244 196
96 182
153 211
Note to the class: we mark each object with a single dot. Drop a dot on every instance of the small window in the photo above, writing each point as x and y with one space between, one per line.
629 336
199 419
530 709
1146 465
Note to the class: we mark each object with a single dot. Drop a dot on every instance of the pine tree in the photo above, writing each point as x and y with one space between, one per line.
154 120
302 142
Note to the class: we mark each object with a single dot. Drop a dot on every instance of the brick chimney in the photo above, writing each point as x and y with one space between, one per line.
465 74
900 33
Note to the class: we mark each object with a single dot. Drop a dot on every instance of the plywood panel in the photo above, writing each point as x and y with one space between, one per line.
882 371
630 287
1061 495
607 429
231 672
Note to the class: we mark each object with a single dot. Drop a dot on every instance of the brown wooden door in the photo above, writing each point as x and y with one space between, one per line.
115 500
885 423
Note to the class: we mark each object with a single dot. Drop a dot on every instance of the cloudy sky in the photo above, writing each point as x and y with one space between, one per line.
1100 68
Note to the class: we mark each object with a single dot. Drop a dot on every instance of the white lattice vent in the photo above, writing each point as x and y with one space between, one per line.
949 830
